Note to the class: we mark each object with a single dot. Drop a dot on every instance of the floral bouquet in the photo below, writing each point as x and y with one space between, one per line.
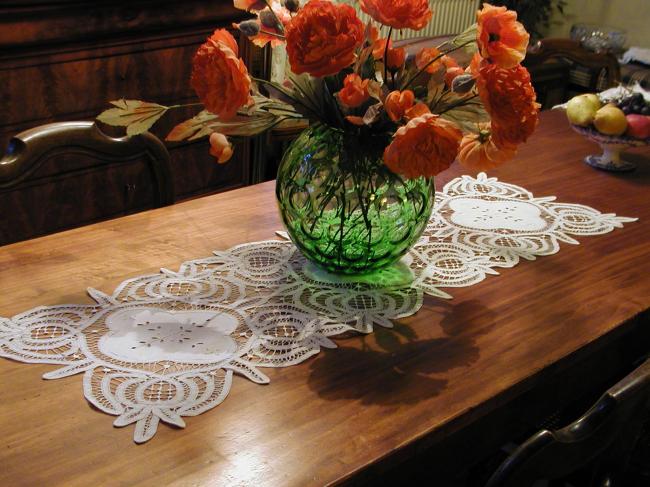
355 189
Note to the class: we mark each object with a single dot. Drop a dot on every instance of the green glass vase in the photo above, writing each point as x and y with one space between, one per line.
343 208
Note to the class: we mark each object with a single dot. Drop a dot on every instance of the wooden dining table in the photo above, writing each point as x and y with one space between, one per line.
440 390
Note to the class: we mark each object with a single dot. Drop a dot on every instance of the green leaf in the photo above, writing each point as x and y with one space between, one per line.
308 91
289 96
467 36
136 115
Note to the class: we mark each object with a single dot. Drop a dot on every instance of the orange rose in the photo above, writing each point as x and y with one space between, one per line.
322 38
219 77
501 39
399 14
480 151
354 92
220 148
425 146
509 98
222 36
515 134
397 103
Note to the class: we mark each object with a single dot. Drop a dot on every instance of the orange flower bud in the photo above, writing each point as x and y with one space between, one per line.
354 92
396 58
481 152
425 57
379 47
220 147
417 111
397 103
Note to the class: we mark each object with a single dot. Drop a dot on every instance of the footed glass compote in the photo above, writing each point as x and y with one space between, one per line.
612 145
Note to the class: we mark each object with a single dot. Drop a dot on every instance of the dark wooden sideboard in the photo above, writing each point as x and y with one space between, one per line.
64 59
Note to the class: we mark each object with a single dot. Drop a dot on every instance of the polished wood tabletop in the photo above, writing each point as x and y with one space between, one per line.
374 400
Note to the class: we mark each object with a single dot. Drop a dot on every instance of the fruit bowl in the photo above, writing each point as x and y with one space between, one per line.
612 145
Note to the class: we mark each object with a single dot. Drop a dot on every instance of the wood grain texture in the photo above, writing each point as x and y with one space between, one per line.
64 60
374 398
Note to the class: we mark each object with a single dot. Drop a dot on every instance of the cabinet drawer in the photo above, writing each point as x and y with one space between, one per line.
48 204
83 85
40 23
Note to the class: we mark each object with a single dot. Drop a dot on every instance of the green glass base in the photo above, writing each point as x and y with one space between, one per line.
397 275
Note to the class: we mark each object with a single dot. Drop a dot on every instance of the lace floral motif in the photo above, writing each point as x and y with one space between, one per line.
165 346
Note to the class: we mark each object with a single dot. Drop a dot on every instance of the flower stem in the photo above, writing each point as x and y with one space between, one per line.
458 104
272 34
390 33
277 20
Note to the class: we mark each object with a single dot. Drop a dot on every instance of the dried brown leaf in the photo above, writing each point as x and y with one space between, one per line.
136 115
190 129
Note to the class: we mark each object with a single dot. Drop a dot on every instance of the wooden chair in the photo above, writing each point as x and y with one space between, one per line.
607 433
588 72
46 187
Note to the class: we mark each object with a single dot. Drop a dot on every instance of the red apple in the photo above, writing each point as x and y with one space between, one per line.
638 126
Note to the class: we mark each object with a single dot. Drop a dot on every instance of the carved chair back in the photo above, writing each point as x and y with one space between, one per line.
46 187
589 72
606 434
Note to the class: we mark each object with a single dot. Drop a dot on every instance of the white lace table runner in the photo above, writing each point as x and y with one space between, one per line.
165 346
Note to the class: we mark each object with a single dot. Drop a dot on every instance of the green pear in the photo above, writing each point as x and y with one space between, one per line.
581 110
593 99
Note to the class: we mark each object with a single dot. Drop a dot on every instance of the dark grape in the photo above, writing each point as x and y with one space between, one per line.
645 110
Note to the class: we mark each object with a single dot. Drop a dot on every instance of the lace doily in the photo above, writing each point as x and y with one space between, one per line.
165 346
